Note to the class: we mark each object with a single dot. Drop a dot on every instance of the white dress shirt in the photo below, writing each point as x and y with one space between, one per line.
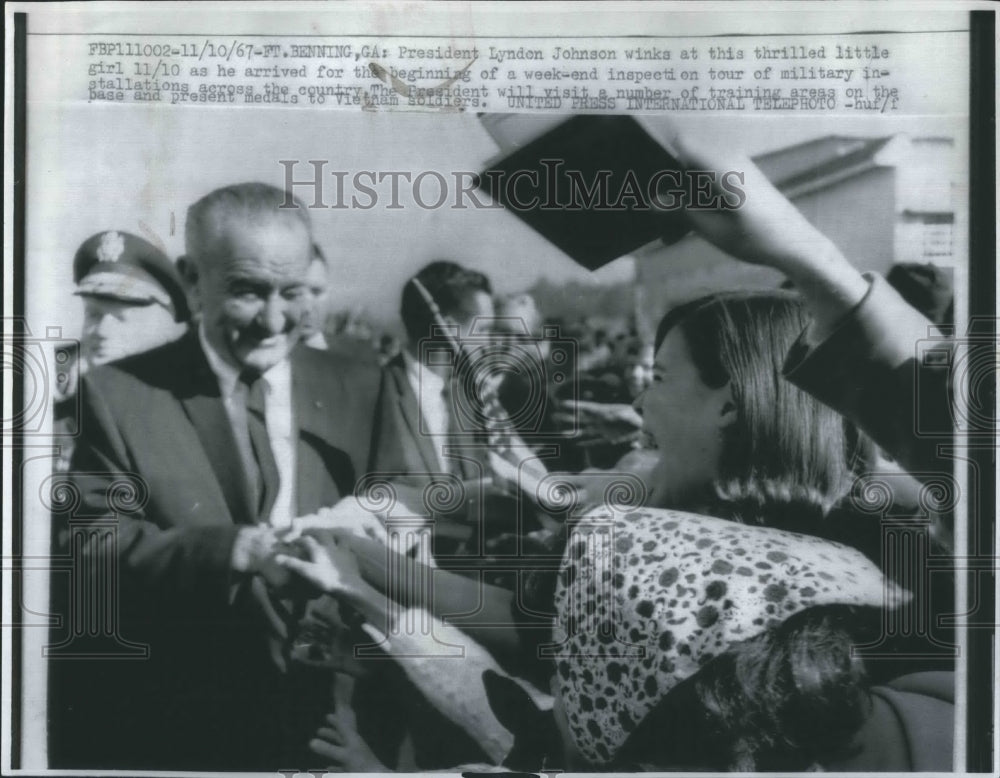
279 416
434 405
318 341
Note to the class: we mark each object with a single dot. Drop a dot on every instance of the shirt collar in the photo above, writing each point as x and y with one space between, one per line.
279 380
317 340
279 377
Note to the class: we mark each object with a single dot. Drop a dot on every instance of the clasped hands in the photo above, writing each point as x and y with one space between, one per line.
328 551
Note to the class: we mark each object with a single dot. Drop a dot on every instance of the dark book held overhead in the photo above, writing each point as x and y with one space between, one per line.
589 185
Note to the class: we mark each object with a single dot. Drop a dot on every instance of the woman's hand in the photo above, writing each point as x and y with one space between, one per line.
340 742
347 514
331 566
345 749
612 422
628 482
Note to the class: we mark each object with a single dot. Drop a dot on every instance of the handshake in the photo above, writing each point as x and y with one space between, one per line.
318 550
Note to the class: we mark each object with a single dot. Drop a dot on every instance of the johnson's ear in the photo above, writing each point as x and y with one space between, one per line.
509 702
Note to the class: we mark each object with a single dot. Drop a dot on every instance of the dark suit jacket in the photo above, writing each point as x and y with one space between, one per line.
868 369
487 516
887 369
415 451
209 694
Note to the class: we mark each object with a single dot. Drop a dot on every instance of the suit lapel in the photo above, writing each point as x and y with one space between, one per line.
315 404
203 405
409 410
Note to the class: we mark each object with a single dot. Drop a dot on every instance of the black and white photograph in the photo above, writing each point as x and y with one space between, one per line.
458 388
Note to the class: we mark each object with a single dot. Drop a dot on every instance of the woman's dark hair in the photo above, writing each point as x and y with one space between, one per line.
782 700
787 454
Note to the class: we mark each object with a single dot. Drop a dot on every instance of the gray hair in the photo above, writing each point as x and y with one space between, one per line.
249 201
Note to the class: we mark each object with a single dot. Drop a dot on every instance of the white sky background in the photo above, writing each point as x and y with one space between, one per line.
96 167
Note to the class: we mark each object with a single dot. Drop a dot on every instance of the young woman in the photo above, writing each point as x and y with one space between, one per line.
735 439
740 443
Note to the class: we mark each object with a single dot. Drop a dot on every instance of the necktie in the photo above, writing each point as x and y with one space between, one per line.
455 464
264 483
511 464
497 429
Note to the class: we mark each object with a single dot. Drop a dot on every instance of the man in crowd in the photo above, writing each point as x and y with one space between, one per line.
318 288
421 376
133 300
225 435
449 412
132 296
433 416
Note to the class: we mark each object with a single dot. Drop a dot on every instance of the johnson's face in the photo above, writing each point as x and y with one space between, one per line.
253 289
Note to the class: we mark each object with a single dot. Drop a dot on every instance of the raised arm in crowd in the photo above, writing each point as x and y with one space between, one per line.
860 353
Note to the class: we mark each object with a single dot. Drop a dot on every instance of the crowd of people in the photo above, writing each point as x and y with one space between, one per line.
431 555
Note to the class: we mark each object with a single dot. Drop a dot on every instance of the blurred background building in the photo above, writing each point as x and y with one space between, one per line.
882 201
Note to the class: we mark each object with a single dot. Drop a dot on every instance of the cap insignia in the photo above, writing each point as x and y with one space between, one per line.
111 248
